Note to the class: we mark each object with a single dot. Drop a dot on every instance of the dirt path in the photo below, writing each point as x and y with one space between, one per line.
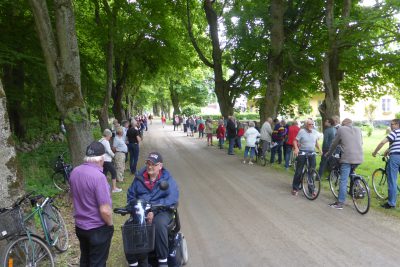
239 215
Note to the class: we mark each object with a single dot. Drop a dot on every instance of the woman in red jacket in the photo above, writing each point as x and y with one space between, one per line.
221 133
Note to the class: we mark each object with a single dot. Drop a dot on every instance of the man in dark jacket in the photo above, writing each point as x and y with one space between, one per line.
278 136
329 134
231 134
146 187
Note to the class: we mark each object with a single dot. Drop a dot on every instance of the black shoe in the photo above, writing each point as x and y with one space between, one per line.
387 206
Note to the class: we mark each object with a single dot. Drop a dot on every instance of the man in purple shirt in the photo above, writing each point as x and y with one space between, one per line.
92 207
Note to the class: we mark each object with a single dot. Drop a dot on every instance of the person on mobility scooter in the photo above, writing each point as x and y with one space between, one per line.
157 206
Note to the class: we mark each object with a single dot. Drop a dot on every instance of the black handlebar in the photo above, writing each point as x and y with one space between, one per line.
121 211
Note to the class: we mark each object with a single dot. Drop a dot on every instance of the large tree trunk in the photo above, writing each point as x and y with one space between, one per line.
174 98
121 74
63 66
10 180
14 79
331 73
275 61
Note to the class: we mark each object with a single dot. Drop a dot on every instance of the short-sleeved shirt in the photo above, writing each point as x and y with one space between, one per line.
119 144
90 190
132 135
307 140
394 140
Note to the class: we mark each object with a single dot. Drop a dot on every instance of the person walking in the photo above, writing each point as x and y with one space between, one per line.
108 166
221 134
201 126
394 162
163 121
329 135
92 202
349 138
250 136
209 131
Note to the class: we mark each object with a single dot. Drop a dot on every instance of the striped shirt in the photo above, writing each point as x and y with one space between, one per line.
394 139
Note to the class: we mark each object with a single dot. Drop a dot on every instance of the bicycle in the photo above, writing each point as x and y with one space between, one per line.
358 188
312 184
23 247
379 180
61 173
292 161
259 153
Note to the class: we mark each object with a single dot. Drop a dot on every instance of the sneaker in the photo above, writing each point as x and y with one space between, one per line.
336 205
117 190
295 192
251 163
387 206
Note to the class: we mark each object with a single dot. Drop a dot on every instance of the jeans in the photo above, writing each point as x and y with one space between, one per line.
322 164
277 148
95 245
301 161
221 142
160 221
288 154
134 155
345 169
201 133
239 142
231 144
392 171
252 152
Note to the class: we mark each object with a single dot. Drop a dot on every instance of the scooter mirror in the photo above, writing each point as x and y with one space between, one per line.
164 185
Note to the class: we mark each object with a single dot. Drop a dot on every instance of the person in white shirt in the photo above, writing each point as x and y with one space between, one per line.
120 148
108 156
250 136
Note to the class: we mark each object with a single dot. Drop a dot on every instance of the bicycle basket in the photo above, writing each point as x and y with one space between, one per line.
138 239
11 223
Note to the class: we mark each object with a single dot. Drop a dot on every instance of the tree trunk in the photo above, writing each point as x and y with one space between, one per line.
14 79
331 73
63 66
10 179
121 74
174 98
275 61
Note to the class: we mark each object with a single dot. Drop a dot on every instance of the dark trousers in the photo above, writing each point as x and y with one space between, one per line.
161 222
109 167
277 149
301 160
133 156
322 164
95 245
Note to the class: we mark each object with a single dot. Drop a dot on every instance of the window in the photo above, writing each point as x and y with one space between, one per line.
386 104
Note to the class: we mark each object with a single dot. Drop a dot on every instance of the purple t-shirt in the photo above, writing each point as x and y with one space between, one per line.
90 190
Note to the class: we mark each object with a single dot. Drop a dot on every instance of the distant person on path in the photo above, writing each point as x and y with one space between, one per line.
394 162
151 119
134 139
209 131
305 141
146 186
108 166
221 133
201 127
176 122
231 134
121 149
163 121
329 135
293 130
191 125
278 136
266 135
239 134
349 138
250 136
91 198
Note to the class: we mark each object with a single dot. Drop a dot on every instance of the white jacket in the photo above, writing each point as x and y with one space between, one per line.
109 154
251 135
266 132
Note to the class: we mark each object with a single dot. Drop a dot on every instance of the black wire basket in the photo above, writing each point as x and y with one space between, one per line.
11 223
138 239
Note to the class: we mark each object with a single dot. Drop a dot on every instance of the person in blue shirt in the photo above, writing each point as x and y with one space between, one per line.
146 187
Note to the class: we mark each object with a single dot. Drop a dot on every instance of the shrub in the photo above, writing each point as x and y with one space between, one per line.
397 115
368 128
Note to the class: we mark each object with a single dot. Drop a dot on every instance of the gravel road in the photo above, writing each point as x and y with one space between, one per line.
239 215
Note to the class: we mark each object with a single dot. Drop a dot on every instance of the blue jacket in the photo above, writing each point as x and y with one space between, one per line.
138 190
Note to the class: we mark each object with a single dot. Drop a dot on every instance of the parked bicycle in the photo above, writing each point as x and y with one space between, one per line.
358 188
61 173
379 180
29 245
310 181
260 159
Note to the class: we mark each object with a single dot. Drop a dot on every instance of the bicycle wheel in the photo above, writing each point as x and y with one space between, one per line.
27 251
56 228
379 183
60 182
311 184
334 181
360 195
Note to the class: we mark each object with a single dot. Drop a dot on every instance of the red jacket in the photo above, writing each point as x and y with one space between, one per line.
220 131
293 131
